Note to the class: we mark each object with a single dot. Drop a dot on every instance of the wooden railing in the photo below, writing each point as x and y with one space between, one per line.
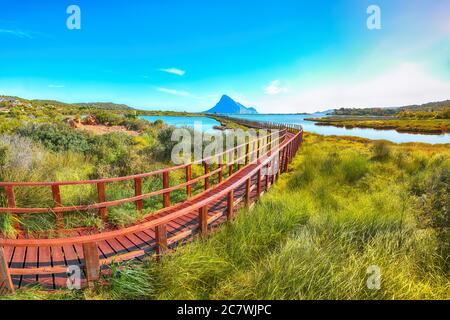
293 128
239 155
281 155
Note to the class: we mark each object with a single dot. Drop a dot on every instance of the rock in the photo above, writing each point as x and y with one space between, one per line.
90 120
74 123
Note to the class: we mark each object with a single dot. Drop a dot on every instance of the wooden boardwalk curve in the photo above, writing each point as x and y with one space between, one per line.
27 260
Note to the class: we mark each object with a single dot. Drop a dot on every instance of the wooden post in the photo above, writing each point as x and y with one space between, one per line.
188 178
6 284
288 153
272 175
230 205
247 148
278 166
258 184
11 197
91 262
286 162
247 192
230 167
289 147
166 195
203 221
138 192
257 150
239 155
12 202
267 177
220 172
102 198
281 160
161 240
206 166
56 194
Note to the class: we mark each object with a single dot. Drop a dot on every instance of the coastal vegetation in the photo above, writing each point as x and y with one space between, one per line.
430 108
407 121
428 118
347 205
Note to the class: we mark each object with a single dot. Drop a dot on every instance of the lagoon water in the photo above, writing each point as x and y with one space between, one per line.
309 126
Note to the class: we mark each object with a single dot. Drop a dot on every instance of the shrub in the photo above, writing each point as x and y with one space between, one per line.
434 201
353 168
303 177
18 153
109 148
108 118
164 149
381 150
135 124
4 154
330 163
56 137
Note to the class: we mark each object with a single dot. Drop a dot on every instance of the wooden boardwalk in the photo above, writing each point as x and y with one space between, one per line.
28 260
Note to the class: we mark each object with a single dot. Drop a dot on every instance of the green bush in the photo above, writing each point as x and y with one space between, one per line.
353 167
56 137
4 154
163 150
108 118
381 150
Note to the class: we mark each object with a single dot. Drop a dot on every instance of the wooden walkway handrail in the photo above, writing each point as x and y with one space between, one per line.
59 208
130 177
211 205
135 228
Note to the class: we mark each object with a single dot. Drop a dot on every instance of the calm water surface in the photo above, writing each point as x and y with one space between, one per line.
391 135
309 126
206 123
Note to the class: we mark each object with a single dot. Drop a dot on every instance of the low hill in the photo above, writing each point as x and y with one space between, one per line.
226 105
104 105
392 111
11 101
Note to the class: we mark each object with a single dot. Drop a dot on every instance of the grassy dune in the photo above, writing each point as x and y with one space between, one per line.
347 204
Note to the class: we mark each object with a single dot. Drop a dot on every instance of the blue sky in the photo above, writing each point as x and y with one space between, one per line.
278 56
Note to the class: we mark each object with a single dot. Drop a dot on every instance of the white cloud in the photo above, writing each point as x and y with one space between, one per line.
176 71
174 92
274 88
17 33
56 86
409 83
